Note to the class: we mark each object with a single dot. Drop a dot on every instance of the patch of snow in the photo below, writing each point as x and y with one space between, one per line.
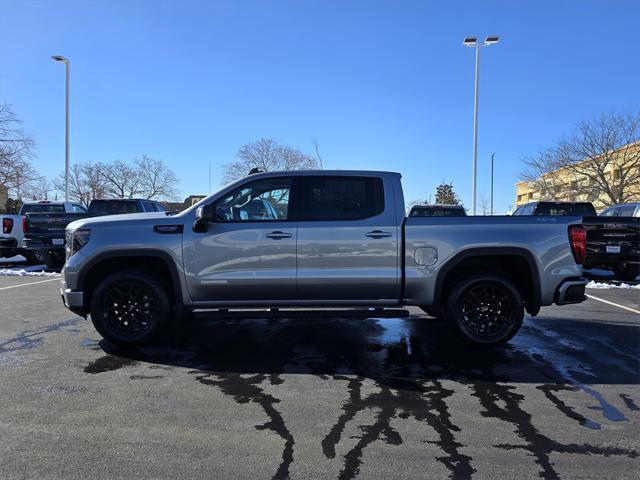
32 271
605 286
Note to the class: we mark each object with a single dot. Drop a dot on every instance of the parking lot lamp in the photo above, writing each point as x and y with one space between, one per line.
60 58
473 43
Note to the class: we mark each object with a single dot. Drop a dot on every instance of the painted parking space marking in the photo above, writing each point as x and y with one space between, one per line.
614 304
30 283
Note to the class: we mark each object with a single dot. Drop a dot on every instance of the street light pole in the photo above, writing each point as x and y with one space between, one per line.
475 133
492 155
67 63
473 42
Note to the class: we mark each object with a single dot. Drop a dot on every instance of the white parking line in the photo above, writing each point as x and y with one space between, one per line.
30 283
614 304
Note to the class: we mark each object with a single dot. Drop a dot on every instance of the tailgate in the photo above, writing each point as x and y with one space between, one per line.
613 235
50 224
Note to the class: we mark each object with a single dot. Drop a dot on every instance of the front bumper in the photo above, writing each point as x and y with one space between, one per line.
571 291
73 300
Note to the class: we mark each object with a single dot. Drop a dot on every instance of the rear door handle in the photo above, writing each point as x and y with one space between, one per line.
277 235
378 234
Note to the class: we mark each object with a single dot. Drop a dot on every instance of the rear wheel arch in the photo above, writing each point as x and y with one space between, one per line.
518 264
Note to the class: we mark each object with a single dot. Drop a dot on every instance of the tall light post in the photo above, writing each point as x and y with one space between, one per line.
492 155
473 43
67 63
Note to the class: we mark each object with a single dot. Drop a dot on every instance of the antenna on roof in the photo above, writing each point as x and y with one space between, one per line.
255 170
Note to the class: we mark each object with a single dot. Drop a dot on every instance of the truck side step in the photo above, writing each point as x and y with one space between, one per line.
308 313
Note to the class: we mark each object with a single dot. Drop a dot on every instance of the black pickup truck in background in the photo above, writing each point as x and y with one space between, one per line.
613 243
45 232
437 210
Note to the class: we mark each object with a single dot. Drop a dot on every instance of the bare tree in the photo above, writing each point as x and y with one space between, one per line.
37 189
16 151
267 155
122 180
86 182
157 180
147 177
600 158
485 206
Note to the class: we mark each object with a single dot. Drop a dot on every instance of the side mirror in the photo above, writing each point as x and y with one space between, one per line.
204 215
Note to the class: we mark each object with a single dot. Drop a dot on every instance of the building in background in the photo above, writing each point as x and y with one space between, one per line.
561 185
179 206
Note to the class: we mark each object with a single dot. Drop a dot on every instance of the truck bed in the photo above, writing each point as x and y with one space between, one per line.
436 243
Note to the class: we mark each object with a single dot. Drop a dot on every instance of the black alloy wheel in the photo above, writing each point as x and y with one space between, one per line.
485 309
129 307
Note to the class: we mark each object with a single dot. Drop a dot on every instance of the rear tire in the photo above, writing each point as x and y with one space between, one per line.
485 309
628 273
32 258
54 261
130 307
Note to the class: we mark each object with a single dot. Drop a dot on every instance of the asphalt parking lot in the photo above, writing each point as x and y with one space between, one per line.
318 397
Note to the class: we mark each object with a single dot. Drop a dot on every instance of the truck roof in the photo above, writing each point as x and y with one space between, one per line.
349 173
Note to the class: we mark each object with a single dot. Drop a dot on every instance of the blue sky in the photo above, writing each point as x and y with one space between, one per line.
379 85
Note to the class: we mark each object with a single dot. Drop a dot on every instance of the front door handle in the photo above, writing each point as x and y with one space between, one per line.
277 235
378 234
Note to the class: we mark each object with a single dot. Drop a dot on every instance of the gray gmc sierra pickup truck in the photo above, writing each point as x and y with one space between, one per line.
319 239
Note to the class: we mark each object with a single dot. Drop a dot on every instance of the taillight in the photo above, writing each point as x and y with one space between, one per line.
7 225
24 224
578 240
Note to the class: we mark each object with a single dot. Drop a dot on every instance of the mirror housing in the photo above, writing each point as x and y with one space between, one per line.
204 215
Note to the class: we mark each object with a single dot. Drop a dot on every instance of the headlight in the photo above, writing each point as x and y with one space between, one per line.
76 240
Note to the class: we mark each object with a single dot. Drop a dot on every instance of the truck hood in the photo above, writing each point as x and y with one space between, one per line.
151 218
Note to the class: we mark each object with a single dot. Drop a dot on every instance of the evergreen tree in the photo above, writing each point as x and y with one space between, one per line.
445 195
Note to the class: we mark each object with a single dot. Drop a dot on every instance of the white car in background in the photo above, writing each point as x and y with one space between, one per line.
13 227
622 210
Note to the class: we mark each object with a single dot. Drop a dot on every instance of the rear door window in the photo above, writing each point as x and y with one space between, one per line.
627 211
341 198
148 206
78 208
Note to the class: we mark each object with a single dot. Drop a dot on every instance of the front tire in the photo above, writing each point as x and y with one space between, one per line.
130 307
485 309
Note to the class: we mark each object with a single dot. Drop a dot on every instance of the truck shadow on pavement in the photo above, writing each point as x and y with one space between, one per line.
414 364
545 350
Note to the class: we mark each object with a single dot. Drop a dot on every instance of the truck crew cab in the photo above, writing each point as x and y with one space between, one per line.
319 239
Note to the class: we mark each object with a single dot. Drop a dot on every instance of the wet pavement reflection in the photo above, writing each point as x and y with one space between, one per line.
412 361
